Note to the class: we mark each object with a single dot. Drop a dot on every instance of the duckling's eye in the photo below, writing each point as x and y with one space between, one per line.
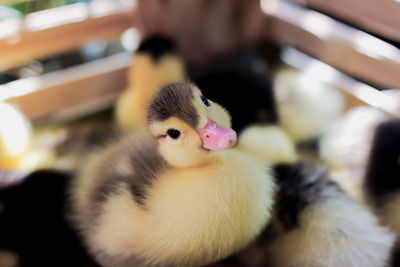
173 133
205 101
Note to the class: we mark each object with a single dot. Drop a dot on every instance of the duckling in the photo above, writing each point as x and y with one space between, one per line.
181 195
156 63
258 124
381 184
345 145
177 194
307 105
15 134
315 223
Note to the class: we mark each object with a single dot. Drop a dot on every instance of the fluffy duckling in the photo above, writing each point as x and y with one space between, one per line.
306 105
345 145
156 63
251 97
15 134
382 178
176 195
258 124
315 224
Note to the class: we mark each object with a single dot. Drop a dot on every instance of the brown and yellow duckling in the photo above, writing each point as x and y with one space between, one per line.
179 194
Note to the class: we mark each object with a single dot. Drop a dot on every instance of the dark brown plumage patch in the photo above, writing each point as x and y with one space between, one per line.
300 186
383 168
157 46
135 165
174 100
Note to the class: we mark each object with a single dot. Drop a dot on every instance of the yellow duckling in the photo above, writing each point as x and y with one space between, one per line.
180 195
176 195
156 63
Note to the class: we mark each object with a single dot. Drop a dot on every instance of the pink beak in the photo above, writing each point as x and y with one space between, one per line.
215 137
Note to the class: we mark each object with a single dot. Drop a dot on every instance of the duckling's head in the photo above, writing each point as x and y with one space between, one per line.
157 56
188 127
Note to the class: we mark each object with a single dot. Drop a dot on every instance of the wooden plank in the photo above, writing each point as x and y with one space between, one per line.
4 2
378 16
356 93
60 29
348 49
69 93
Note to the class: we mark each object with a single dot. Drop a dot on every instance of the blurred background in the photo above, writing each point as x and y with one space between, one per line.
333 66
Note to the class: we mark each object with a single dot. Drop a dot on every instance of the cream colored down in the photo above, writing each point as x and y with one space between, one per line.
269 143
334 232
389 215
212 211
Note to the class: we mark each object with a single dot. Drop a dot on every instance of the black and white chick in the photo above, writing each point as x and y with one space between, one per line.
315 223
244 87
382 177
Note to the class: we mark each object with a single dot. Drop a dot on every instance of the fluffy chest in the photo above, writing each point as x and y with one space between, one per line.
193 216
225 206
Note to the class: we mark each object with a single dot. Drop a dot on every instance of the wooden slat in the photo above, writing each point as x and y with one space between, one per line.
69 93
357 93
3 2
378 16
34 39
348 49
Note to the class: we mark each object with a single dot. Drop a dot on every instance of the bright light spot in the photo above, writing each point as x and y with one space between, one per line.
15 130
19 87
56 16
371 95
130 39
321 72
270 6
103 7
317 24
373 46
9 27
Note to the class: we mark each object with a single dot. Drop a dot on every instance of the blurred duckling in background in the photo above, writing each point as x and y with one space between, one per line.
155 63
176 195
382 177
246 91
181 197
306 105
345 145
